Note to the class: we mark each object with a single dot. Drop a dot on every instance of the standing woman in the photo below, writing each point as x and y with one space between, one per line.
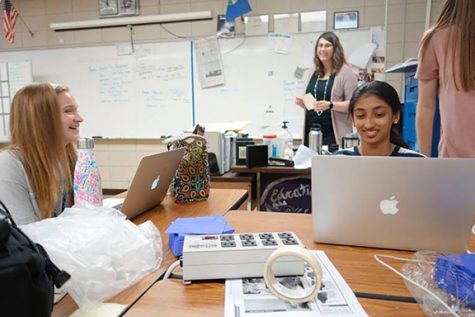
37 167
331 82
447 70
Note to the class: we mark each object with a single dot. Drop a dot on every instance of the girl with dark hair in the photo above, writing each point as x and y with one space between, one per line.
331 82
375 110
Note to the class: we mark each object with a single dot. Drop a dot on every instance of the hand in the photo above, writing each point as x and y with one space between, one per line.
321 105
299 102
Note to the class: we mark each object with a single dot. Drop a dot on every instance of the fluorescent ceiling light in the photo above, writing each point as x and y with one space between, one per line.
135 20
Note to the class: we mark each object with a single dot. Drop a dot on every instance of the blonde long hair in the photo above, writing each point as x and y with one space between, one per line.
37 137
460 15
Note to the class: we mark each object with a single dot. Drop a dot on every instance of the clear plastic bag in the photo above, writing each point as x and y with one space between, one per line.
103 251
421 270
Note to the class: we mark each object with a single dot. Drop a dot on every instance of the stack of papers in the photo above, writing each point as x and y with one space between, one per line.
303 157
192 226
250 297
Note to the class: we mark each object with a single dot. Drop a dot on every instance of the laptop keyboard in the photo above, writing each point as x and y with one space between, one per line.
118 207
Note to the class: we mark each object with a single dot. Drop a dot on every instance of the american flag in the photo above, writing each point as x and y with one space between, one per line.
9 18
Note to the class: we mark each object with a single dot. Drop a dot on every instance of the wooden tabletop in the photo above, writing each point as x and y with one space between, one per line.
218 202
355 264
172 298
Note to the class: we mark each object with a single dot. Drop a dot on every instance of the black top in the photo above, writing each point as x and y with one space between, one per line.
398 151
324 119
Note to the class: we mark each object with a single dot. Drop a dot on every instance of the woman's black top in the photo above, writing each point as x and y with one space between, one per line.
324 119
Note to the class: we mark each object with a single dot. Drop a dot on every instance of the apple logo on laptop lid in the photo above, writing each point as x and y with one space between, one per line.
389 206
155 183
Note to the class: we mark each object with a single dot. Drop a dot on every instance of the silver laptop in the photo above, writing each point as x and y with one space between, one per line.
151 181
396 203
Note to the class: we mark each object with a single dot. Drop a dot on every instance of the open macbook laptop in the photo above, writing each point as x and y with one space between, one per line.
397 203
151 181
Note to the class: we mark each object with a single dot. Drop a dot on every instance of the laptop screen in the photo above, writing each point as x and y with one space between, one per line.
390 202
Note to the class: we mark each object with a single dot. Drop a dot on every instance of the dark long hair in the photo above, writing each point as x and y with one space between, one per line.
386 92
338 58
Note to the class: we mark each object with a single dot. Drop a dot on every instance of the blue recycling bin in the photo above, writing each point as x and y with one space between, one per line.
411 95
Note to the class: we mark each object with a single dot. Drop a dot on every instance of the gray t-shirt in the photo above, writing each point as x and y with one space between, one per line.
16 192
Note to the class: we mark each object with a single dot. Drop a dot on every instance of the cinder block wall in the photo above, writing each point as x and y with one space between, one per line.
118 159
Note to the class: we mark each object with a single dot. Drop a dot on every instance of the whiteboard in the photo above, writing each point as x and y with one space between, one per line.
155 91
147 94
13 76
260 85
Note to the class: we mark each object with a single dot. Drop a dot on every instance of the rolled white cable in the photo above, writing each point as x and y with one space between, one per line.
284 293
170 269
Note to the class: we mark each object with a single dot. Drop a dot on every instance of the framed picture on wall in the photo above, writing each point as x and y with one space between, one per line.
108 8
345 20
128 7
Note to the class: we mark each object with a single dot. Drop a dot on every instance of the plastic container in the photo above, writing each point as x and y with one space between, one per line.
229 150
350 140
285 143
271 141
87 179
315 138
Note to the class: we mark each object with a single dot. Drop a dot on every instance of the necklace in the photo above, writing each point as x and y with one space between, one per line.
324 92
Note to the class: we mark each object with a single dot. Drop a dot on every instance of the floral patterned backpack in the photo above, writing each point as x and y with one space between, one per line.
191 181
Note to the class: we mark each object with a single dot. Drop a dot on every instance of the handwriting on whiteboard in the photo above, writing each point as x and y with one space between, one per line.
115 82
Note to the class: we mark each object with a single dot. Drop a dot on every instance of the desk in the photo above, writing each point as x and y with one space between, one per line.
234 181
219 202
288 181
355 264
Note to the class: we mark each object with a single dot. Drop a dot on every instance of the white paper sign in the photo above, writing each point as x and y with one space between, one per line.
309 101
210 65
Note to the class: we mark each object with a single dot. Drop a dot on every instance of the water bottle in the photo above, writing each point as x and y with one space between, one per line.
315 137
87 180
285 143
270 141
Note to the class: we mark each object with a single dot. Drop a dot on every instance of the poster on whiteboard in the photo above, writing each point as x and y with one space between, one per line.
209 62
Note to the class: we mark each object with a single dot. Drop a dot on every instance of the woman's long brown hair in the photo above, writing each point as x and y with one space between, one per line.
338 58
36 135
460 16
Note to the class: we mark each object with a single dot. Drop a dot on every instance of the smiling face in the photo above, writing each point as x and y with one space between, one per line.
324 50
373 118
70 117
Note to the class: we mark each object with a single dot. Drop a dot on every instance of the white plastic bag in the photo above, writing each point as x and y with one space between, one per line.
103 251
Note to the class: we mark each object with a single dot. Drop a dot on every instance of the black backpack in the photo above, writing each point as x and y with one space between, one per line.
27 275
